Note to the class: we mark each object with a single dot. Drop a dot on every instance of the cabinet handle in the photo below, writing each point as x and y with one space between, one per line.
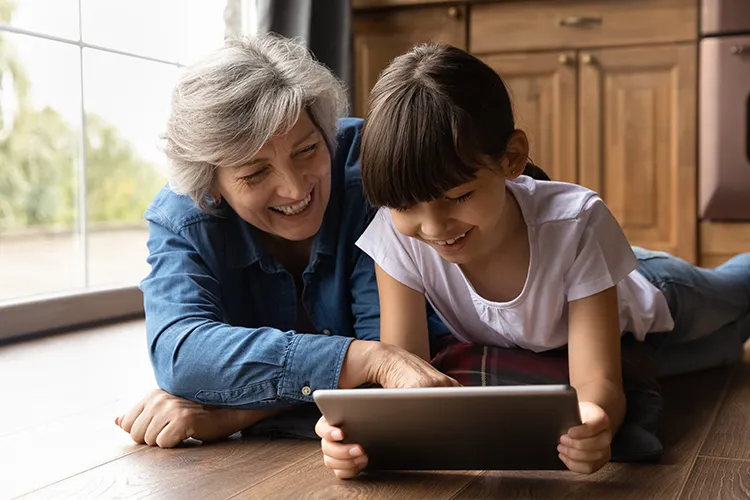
453 12
587 59
579 21
738 50
564 59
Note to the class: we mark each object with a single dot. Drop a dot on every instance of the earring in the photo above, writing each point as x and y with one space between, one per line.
513 172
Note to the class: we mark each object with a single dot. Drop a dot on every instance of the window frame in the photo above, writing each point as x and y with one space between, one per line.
32 316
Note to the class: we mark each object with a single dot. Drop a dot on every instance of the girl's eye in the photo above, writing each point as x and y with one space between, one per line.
461 198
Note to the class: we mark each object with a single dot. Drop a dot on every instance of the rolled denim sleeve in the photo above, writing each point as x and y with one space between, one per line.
365 301
198 357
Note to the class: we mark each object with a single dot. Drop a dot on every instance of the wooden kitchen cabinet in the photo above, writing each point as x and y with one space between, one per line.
636 137
543 91
605 90
380 36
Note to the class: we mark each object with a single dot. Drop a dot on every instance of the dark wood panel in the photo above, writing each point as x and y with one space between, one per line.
216 471
311 479
718 478
730 433
692 401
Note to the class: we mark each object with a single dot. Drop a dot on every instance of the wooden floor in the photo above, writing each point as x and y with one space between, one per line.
58 440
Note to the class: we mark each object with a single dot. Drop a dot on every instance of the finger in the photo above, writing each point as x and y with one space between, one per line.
152 431
138 430
171 435
600 441
346 474
596 455
341 451
581 467
588 429
326 431
351 464
126 421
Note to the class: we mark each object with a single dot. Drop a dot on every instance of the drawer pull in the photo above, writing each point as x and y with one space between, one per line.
564 59
587 59
579 21
738 50
454 13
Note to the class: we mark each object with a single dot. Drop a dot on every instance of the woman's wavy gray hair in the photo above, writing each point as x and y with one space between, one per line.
226 106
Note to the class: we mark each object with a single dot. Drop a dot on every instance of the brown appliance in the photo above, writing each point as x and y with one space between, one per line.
724 110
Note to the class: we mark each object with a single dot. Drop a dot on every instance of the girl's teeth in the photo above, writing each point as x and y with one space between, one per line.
296 208
451 241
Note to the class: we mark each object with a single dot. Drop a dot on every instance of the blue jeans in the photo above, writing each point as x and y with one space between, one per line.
710 307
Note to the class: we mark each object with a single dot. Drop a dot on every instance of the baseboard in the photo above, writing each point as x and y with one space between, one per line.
55 313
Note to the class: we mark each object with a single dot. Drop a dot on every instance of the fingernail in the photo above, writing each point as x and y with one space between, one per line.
337 435
564 440
360 460
355 452
117 421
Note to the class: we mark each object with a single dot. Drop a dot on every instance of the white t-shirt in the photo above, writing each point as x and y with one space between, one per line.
577 249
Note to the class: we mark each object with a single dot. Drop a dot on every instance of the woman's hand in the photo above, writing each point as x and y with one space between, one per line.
163 420
390 367
346 460
586 448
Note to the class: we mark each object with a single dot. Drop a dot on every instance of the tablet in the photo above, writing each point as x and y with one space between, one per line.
455 428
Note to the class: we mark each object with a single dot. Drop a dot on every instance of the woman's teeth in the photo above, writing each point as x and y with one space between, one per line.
450 241
296 208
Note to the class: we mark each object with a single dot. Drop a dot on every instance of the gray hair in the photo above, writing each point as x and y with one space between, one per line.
228 105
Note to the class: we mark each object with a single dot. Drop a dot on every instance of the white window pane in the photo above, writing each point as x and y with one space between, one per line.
51 17
127 105
40 111
171 30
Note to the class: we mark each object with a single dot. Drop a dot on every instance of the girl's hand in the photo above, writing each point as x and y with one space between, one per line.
586 448
346 460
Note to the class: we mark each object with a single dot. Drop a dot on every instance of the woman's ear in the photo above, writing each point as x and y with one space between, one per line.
517 153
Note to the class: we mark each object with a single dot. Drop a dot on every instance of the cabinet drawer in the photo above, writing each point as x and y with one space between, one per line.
552 24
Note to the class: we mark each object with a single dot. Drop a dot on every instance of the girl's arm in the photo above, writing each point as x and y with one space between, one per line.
594 354
403 316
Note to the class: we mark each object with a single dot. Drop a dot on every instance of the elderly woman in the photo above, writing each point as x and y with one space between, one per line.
257 294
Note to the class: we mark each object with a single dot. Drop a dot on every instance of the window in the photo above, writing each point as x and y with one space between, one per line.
84 94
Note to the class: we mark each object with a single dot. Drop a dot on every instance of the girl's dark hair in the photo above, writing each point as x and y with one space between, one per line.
435 115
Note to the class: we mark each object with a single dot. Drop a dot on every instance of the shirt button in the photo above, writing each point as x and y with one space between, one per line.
327 332
306 391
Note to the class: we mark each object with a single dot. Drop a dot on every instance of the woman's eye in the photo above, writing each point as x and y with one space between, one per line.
254 177
461 198
309 149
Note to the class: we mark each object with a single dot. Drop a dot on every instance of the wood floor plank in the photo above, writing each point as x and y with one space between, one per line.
310 479
720 478
691 404
207 472
48 379
41 455
729 436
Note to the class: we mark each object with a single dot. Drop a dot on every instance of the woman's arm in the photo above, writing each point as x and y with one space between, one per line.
594 354
403 316
197 356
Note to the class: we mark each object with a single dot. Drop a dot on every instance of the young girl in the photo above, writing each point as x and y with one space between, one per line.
512 262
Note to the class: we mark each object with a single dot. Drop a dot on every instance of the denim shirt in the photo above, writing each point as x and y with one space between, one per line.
221 313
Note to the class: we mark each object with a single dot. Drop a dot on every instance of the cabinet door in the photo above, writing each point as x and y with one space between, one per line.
542 87
380 36
637 140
